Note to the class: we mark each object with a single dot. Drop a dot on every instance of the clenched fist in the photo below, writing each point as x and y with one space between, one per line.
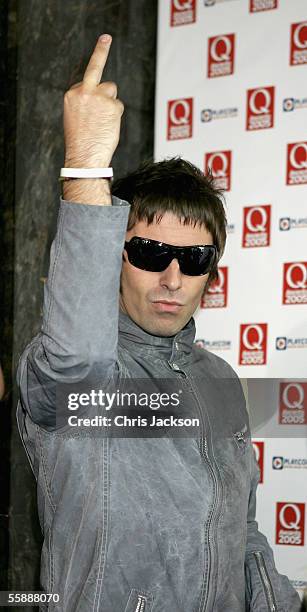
92 115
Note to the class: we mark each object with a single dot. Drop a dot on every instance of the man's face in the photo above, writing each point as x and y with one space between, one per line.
163 302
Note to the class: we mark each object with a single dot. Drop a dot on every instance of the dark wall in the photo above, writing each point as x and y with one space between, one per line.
7 190
55 40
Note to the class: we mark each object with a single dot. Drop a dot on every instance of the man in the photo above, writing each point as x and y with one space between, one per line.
145 524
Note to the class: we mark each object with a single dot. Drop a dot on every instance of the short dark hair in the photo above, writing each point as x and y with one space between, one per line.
175 185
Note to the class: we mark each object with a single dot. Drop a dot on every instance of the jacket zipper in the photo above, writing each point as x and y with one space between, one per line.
141 603
204 453
266 581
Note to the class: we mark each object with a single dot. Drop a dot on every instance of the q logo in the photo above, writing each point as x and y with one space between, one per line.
253 344
180 118
298 156
252 224
219 163
295 283
298 45
260 101
183 12
256 226
296 275
296 402
260 108
297 163
259 454
257 332
290 523
221 55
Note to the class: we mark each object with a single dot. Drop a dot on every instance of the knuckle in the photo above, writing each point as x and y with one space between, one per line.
120 106
109 87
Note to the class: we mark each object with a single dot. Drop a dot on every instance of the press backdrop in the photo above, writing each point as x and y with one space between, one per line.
231 96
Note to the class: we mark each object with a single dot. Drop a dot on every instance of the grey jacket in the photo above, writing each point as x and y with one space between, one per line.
138 525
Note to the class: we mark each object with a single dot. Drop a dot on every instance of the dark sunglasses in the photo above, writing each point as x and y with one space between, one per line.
155 256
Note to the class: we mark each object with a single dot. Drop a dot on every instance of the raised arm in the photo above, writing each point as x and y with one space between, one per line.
80 315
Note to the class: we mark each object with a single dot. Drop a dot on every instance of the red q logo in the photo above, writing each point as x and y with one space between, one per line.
221 55
295 283
183 12
256 226
259 453
293 403
255 332
298 156
217 294
297 163
219 163
260 101
290 523
221 49
218 286
180 117
260 108
253 344
251 221
180 112
297 403
298 47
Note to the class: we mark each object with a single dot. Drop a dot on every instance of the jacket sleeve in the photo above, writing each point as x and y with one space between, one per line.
266 589
81 299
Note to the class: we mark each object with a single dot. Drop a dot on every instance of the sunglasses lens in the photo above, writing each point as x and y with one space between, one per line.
150 256
197 261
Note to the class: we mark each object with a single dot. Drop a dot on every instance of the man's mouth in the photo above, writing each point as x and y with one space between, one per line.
167 305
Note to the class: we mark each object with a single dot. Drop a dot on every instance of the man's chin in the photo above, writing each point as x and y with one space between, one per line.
165 324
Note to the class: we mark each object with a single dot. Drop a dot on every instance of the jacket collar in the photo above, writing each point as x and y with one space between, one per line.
135 339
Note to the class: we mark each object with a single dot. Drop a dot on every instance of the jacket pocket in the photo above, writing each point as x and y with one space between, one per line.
259 592
265 579
139 601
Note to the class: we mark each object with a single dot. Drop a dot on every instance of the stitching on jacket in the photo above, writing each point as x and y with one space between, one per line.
200 403
48 490
60 234
105 514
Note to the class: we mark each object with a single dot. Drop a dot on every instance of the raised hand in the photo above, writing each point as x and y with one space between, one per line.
92 114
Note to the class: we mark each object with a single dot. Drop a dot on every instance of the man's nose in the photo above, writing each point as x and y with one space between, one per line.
171 277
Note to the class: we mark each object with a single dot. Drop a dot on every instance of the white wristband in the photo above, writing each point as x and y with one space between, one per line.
86 173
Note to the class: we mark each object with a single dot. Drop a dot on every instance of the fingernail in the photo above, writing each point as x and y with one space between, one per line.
105 38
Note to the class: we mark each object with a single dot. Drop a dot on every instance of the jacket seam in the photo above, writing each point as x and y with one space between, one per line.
105 521
60 234
48 490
